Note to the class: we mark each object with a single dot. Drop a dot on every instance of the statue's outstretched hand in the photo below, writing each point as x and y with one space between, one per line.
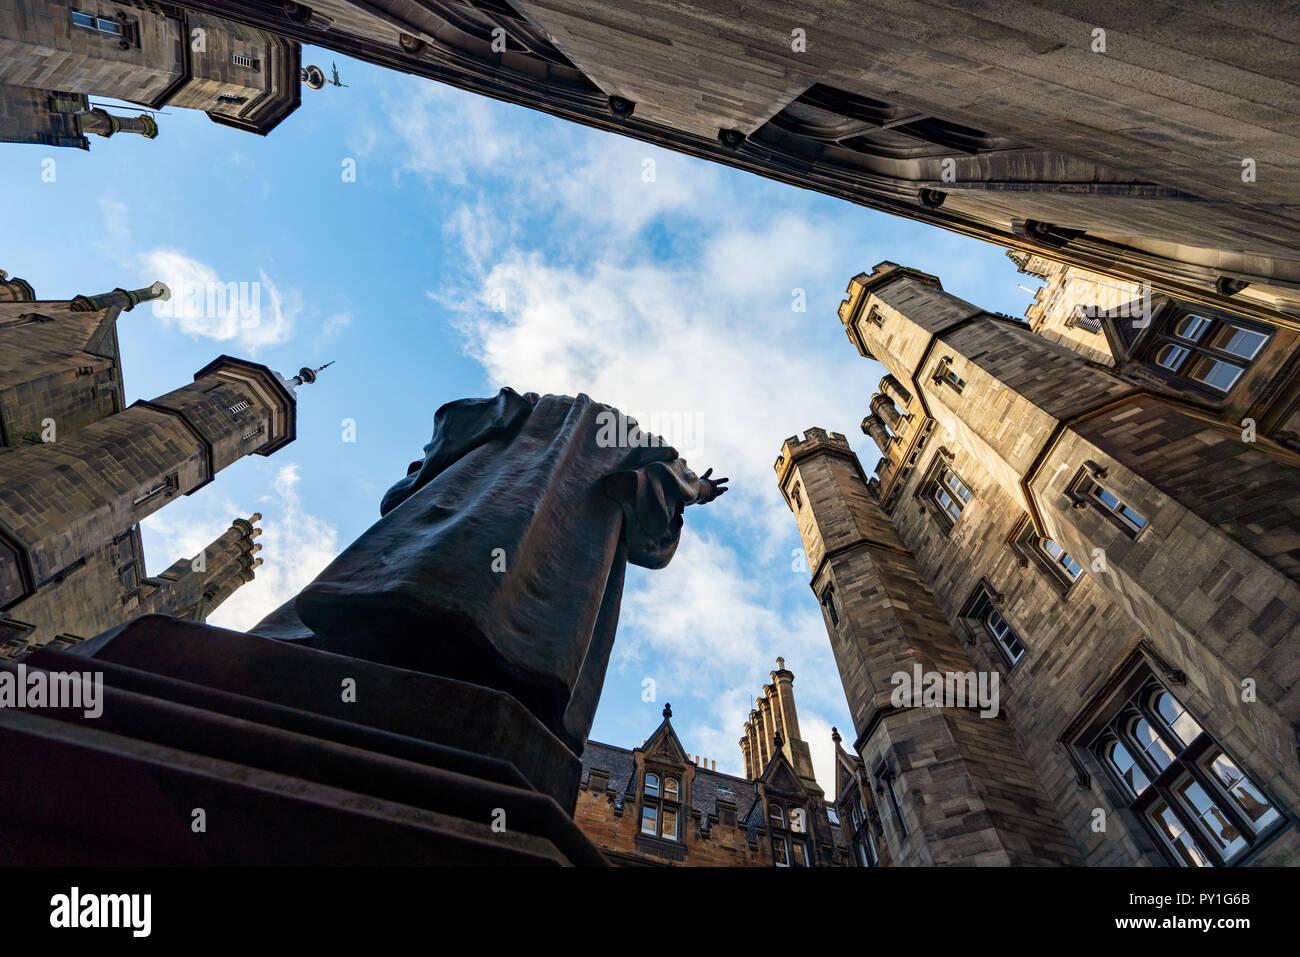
711 488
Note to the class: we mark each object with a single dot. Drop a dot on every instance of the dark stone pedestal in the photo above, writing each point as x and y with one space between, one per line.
261 738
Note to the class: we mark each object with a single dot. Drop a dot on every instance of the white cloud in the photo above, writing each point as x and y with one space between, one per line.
443 133
253 313
296 546
697 322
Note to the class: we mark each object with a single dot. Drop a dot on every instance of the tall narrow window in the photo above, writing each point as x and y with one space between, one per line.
828 602
651 784
891 788
649 820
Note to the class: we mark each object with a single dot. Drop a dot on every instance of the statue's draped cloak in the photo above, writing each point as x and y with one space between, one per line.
499 559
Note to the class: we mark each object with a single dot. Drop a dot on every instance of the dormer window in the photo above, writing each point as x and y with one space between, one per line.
1211 351
777 814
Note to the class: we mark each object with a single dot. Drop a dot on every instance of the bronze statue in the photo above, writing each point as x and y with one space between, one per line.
499 558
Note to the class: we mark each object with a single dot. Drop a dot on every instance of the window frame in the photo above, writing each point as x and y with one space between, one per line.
1089 490
977 613
1188 764
933 483
1197 349
1029 547
123 28
827 600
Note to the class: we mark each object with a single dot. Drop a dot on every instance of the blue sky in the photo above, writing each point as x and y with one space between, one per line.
482 245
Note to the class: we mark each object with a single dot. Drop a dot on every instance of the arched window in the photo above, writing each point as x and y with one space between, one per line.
670 788
651 784
1199 803
1146 737
1126 767
1182 724
1212 351
777 814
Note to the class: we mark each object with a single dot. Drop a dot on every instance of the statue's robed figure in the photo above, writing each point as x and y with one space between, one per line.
499 559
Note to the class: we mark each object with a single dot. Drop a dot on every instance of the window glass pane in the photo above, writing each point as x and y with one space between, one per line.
1054 550
670 825
670 787
949 505
958 487
1172 830
1225 833
1110 501
652 785
1215 373
108 26
778 854
1127 767
1001 631
1239 341
1241 789
1132 516
1191 328
1149 740
1176 716
83 19
648 817
1171 356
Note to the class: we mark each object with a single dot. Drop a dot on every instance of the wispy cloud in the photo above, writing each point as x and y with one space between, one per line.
251 312
630 273
296 545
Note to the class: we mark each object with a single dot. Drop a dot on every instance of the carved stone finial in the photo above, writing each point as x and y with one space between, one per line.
668 710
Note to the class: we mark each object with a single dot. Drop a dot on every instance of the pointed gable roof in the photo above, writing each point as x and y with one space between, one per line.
780 776
846 767
663 744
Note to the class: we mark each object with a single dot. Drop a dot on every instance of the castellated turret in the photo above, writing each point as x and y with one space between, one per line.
80 468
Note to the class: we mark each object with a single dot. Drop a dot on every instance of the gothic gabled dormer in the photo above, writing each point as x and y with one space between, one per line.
860 826
790 815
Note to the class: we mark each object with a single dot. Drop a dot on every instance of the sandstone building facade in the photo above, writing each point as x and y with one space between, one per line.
657 805
1100 508
55 55
79 469
1142 145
